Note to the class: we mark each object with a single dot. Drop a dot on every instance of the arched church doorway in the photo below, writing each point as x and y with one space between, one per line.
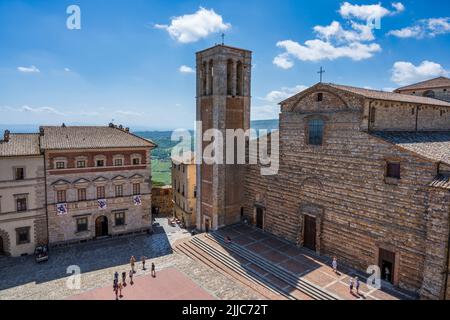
101 226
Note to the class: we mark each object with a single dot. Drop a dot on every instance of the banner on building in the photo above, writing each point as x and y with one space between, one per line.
137 200
102 204
61 209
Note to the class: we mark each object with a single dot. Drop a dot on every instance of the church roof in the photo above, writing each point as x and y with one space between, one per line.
438 82
390 96
20 144
434 146
377 95
85 137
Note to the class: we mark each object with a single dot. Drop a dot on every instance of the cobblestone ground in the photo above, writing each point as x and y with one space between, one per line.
22 278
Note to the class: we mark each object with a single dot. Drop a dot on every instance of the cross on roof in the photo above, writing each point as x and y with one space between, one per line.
223 38
321 72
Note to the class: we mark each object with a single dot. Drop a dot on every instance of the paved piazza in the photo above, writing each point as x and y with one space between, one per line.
22 278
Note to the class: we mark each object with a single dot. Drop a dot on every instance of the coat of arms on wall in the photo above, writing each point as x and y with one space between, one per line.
102 204
61 209
137 200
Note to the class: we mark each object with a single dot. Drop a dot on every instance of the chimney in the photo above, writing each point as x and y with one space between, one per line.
111 125
6 136
41 131
121 127
127 129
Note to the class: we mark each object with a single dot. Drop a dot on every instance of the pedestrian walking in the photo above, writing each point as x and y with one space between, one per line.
153 270
351 285
116 276
143 262
131 277
124 278
120 290
116 291
132 263
334 264
357 285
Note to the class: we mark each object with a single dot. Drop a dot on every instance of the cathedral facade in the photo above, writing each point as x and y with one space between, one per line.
364 175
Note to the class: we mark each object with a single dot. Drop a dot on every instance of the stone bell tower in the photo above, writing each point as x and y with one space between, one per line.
223 102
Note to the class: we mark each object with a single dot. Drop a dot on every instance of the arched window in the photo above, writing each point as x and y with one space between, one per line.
239 79
204 78
429 94
315 132
211 77
230 77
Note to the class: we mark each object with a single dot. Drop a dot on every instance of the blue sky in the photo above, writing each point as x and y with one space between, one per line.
126 61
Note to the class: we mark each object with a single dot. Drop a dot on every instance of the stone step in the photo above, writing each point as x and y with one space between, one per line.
277 271
199 254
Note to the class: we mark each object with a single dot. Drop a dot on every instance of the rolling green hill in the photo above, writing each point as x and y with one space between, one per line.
161 162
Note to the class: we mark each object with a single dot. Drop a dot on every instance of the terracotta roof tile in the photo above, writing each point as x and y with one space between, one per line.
428 84
85 137
432 145
20 145
390 96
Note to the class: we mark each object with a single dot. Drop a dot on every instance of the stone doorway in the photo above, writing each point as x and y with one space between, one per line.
101 227
259 217
310 233
387 265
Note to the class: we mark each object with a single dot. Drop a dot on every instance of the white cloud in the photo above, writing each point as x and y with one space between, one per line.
316 50
404 73
67 69
368 12
41 110
277 96
283 61
424 28
362 12
186 69
335 31
398 6
193 27
127 113
31 69
265 112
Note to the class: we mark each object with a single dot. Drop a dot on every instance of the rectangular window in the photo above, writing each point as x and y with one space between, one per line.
101 192
19 173
61 196
82 224
393 170
136 189
100 163
120 218
118 162
315 132
320 96
23 235
195 191
119 190
81 164
81 194
21 204
136 161
60 165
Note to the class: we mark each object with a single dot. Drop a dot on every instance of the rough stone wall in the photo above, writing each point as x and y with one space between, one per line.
345 180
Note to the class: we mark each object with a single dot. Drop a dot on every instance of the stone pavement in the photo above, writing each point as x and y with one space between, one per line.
305 264
22 278
169 284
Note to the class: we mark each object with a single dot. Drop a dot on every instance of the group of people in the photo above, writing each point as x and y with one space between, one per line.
354 282
119 285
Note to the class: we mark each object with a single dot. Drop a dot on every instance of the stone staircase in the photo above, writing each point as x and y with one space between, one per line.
235 261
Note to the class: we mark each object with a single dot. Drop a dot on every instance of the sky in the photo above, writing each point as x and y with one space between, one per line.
133 61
